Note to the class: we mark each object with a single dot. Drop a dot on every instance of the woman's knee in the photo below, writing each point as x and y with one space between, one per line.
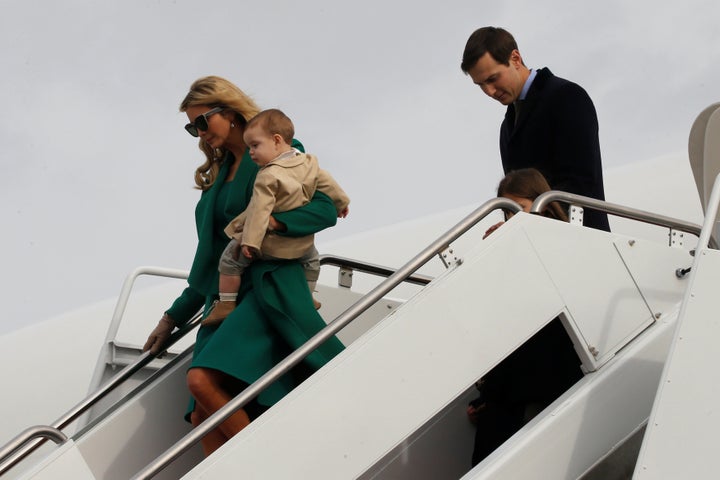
199 380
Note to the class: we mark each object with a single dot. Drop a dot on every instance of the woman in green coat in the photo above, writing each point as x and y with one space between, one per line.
275 312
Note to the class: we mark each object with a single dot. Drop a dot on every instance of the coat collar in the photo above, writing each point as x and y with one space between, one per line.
529 102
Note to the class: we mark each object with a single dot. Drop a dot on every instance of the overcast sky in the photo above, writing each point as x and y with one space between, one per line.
97 169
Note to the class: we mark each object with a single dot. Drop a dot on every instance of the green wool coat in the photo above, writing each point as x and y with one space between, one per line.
275 312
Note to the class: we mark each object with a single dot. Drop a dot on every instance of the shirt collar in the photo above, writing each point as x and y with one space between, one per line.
528 82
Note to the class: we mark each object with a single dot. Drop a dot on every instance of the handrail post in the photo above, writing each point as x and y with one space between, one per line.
127 289
121 305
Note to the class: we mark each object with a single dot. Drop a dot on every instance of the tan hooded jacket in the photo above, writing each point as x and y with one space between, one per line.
286 183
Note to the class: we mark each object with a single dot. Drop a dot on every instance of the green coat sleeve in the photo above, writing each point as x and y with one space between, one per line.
317 215
185 306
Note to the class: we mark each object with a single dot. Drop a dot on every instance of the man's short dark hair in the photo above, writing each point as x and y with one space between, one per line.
498 42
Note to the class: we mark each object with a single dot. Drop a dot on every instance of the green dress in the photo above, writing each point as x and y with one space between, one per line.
275 312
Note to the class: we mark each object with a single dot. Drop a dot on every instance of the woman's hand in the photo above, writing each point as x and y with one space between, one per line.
159 336
275 226
344 212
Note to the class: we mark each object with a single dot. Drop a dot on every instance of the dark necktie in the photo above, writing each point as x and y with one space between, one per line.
518 104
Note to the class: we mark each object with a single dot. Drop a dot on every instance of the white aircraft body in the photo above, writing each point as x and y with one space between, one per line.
425 308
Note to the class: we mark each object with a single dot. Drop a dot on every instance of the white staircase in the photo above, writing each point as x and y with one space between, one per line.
392 405
681 437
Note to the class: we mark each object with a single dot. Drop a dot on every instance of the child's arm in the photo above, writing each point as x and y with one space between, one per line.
309 219
259 209
327 184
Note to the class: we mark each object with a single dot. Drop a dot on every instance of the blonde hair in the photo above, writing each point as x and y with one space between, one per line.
214 91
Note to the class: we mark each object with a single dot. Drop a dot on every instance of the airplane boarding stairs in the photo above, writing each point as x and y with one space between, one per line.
680 441
392 405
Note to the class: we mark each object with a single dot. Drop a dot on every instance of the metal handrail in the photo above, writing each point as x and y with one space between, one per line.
90 400
332 328
394 278
19 446
150 380
121 305
38 431
126 290
711 211
542 201
370 268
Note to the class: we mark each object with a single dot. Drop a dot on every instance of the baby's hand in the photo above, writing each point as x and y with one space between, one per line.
344 212
249 252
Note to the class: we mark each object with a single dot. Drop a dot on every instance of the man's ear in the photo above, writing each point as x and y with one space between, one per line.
515 58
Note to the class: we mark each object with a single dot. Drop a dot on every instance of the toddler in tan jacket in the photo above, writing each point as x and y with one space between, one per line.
287 179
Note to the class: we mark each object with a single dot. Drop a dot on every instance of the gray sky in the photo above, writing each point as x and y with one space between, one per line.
97 169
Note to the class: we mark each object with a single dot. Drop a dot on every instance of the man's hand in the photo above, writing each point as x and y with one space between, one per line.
344 212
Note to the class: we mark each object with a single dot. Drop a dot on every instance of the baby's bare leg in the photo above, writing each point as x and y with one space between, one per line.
229 286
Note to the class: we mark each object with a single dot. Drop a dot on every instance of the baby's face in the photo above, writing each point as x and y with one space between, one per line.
262 146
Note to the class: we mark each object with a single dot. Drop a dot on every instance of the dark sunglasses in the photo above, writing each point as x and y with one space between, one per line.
201 122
